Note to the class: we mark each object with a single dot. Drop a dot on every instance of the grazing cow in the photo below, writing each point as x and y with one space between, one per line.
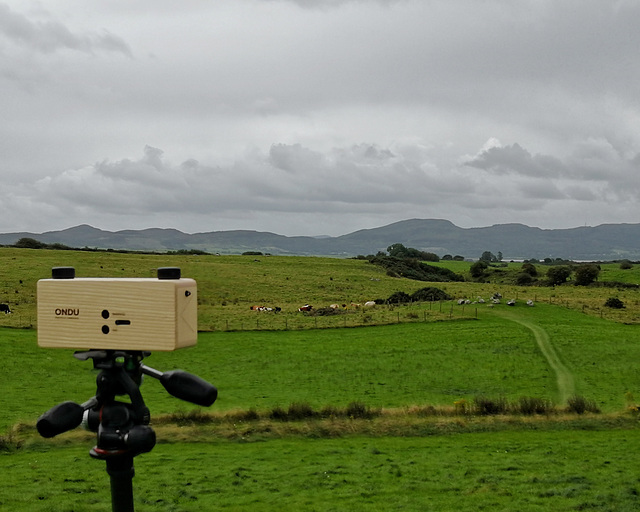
512 302
356 305
369 303
4 308
306 307
264 308
529 302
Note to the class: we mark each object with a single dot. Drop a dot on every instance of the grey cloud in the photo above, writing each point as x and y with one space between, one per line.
541 189
580 193
594 170
516 160
295 158
51 36
289 178
292 182
329 4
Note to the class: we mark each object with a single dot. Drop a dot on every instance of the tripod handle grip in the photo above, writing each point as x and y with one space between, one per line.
188 387
60 418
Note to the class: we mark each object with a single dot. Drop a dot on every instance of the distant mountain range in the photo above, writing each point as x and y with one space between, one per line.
515 241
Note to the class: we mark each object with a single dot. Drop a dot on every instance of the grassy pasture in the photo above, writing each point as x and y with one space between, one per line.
527 471
434 357
390 366
229 285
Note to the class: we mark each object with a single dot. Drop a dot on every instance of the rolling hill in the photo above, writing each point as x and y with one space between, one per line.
515 241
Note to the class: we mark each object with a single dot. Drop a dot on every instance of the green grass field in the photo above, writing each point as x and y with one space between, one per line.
229 285
420 355
387 366
523 471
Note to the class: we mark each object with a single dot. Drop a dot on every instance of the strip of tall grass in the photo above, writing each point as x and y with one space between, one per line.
303 411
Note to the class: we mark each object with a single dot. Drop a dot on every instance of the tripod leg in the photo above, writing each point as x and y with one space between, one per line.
120 470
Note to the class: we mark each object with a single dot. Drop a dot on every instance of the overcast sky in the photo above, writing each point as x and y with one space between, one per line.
311 117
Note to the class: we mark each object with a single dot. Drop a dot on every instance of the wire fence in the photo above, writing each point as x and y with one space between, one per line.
378 315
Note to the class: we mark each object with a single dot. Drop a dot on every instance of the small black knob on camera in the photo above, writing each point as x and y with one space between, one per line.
63 273
169 273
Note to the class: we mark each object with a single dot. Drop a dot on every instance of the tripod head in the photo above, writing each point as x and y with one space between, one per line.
121 373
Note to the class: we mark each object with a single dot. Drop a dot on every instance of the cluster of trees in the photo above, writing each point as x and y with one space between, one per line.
412 268
489 257
32 243
583 275
400 251
429 294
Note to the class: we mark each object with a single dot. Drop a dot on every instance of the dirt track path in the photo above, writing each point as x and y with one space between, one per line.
564 378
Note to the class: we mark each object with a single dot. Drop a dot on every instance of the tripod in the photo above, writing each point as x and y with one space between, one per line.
123 428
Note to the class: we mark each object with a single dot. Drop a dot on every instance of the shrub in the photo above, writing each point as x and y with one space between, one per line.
614 302
429 294
399 298
530 268
626 265
249 415
194 417
8 443
587 274
412 268
358 410
523 279
329 411
558 275
529 405
299 411
461 406
489 406
279 414
478 268
580 405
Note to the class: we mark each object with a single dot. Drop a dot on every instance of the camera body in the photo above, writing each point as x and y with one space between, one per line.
144 314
